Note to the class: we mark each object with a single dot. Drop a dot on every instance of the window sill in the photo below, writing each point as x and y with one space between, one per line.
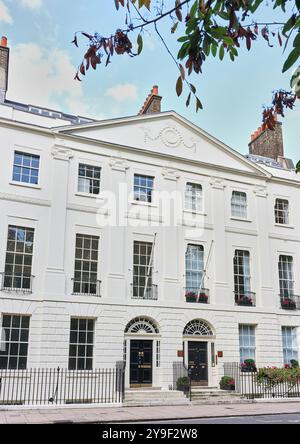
285 226
26 185
89 195
241 219
197 213
144 204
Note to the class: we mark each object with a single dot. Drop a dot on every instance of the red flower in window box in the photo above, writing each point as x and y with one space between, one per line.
288 303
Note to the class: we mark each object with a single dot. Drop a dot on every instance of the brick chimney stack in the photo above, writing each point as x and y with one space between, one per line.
152 104
267 143
4 61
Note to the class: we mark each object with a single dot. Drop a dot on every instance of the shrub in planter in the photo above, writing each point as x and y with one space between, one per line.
227 383
183 384
248 366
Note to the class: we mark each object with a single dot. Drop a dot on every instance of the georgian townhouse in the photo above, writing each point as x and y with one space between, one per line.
145 240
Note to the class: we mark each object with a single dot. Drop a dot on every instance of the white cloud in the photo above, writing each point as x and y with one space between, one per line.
41 77
4 13
123 92
32 4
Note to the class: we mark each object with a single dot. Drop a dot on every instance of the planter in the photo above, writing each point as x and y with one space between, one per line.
227 387
288 304
203 299
249 369
245 303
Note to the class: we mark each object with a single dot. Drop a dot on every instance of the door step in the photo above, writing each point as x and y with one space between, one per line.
154 397
216 396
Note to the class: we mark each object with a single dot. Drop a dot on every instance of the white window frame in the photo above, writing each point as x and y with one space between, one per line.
282 215
286 275
193 198
147 176
197 271
88 179
25 277
239 205
91 283
246 272
138 290
247 342
289 344
80 343
14 339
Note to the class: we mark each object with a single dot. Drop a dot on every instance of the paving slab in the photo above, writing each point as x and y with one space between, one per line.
140 414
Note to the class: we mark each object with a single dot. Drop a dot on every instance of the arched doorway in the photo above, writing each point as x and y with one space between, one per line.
198 341
141 349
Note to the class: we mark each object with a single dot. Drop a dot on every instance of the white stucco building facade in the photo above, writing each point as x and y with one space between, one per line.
238 219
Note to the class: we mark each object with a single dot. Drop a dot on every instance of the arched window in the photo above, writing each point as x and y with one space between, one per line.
197 328
141 325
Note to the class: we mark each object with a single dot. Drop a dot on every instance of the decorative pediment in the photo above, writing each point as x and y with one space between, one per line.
170 136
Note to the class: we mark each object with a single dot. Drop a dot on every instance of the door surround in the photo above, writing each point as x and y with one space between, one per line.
142 329
199 330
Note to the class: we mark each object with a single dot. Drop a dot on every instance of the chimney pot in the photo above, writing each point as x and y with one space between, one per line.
4 42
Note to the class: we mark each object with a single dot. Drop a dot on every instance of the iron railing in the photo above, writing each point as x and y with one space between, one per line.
246 298
60 386
16 282
140 293
86 288
192 294
248 385
289 301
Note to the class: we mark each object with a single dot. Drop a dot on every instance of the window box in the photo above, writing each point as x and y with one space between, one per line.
245 300
191 296
288 304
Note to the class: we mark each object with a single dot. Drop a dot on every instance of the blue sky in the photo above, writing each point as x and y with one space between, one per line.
43 64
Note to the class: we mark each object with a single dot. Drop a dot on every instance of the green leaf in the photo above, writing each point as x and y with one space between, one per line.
214 49
183 39
221 52
298 167
179 86
289 25
194 9
193 88
296 42
206 46
292 58
188 100
140 44
298 4
198 105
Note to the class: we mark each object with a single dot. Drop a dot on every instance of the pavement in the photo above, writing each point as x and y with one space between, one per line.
143 414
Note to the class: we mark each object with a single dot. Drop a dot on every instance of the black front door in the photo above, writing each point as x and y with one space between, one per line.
197 353
141 363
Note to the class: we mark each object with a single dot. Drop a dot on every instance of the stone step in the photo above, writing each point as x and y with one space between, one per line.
154 394
153 402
